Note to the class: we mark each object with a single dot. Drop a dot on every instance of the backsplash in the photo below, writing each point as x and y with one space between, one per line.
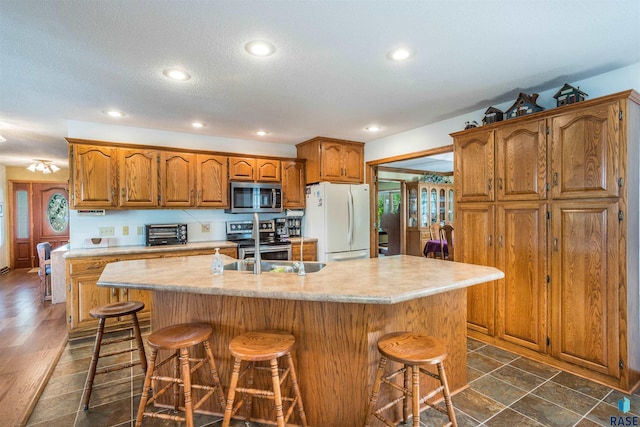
84 227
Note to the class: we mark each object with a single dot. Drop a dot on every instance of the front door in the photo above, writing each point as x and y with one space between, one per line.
40 214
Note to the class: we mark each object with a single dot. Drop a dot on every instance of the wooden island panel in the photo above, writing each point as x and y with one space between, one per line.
335 354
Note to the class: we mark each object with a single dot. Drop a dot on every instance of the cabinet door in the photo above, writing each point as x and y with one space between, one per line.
85 295
473 167
268 170
94 172
135 295
521 254
212 183
521 167
331 168
138 177
309 251
474 244
177 178
353 163
585 153
242 168
585 303
293 188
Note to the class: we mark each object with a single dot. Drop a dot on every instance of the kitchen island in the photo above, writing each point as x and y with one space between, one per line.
336 315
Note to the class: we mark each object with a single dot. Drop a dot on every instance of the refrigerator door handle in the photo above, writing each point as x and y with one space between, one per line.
350 215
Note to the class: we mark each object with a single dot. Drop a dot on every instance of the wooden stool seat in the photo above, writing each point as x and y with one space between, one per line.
179 336
412 351
262 347
118 309
178 339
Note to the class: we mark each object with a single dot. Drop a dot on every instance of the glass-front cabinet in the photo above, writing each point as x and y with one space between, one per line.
427 204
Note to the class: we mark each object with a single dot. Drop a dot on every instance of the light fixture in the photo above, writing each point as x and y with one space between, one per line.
260 48
43 166
197 125
2 138
114 113
176 74
373 128
400 54
262 133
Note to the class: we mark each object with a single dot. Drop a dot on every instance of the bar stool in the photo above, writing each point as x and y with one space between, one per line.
413 351
118 309
179 338
261 347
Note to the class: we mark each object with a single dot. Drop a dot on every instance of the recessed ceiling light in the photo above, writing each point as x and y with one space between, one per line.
373 128
262 133
114 113
197 124
260 48
2 138
400 54
176 74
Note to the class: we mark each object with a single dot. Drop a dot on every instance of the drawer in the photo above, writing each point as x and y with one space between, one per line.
93 265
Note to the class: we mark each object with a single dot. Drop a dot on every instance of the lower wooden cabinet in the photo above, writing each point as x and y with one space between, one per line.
309 251
83 292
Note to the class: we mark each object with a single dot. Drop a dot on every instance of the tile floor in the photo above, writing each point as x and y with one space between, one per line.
505 390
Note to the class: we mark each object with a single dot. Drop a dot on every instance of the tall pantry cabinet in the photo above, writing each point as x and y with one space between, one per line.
552 199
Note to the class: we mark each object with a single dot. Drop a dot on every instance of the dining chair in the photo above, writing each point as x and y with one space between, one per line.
44 262
446 237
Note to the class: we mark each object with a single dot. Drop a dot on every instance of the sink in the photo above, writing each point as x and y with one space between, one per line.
275 266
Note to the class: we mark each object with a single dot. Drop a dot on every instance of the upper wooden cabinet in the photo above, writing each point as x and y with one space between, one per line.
94 178
254 169
332 160
177 179
521 167
211 182
138 178
473 167
293 186
585 149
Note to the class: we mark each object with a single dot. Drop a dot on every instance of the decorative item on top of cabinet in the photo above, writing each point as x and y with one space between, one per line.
525 104
211 183
332 160
569 95
492 115
138 177
293 185
177 178
564 216
254 169
93 175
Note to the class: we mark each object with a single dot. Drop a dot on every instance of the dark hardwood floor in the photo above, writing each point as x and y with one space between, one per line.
32 337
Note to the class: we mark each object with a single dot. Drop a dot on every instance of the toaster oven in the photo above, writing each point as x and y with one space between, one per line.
165 234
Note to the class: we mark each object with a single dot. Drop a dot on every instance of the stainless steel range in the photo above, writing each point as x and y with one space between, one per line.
271 247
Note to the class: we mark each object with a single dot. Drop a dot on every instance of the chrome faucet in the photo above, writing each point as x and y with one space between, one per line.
256 238
301 271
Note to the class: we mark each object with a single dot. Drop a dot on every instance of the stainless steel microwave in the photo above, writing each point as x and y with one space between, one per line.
248 197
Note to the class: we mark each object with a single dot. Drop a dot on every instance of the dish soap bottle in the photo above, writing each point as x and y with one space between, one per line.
216 264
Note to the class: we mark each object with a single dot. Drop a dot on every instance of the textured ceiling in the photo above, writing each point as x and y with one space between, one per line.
72 59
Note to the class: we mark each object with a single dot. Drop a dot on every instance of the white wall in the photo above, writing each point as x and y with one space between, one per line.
4 219
86 227
437 134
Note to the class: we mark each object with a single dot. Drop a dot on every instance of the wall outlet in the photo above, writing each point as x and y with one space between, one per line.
205 228
106 231
140 230
125 230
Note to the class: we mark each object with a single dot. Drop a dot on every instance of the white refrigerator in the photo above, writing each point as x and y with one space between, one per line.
338 216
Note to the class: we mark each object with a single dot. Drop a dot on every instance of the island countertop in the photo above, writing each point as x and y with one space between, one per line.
386 280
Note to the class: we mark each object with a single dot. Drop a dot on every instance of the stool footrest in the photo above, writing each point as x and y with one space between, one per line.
115 353
117 367
117 340
164 416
